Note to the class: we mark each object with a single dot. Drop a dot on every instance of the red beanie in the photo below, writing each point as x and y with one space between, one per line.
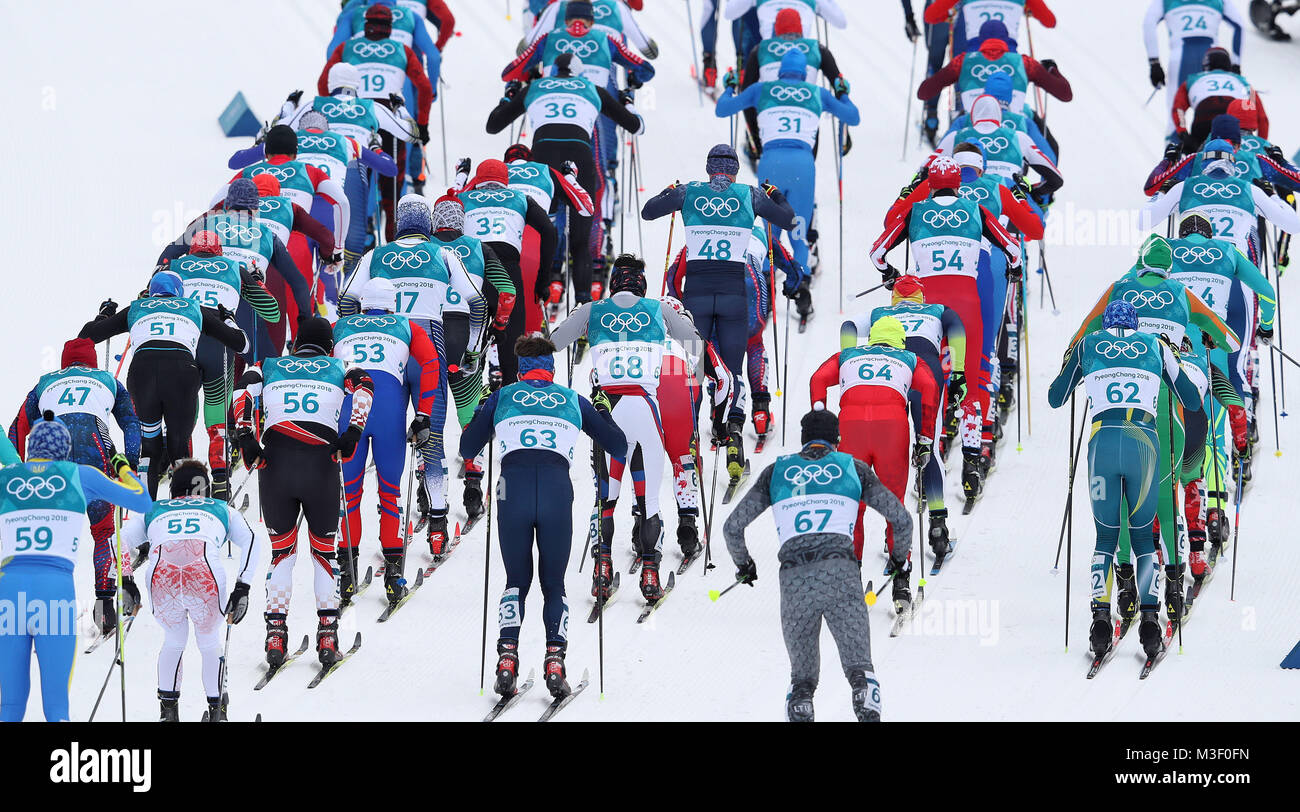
788 23
908 287
379 12
79 351
205 242
267 185
491 171
1246 113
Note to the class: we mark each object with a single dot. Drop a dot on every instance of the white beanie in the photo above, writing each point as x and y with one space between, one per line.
343 75
378 294
986 109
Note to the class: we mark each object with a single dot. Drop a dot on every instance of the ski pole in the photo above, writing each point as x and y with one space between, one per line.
1024 343
442 114
1236 532
1047 278
1075 448
713 492
839 180
668 255
121 359
871 595
869 290
1280 352
699 90
1173 530
785 383
121 643
636 189
487 560
715 594
704 507
1038 91
771 302
907 121
920 531
1272 384
221 668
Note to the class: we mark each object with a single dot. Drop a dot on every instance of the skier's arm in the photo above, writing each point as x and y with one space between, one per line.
496 275
776 211
830 11
729 103
895 230
127 492
826 376
939 11
1206 319
1049 79
572 328
358 384
1222 389
1039 11
1181 105
1092 322
664 203
1275 211
440 15
882 500
397 125
1164 171
749 77
1150 24
331 191
1040 140
478 432
750 507
602 429
536 218
682 329
27 416
242 536
350 297
844 109
830 68
935 83
1232 17
639 70
231 336
8 455
129 423
1020 215
510 108
1249 275
1261 114
632 30
518 68
1159 208
247 157
1051 176
1183 387
424 93
1068 378
103 329
736 9
379 161
624 116
996 234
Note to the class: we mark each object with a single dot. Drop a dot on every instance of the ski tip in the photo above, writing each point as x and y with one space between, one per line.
714 595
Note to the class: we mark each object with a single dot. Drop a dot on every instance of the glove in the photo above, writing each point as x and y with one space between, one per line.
626 97
346 445
1208 341
600 400
1015 272
910 29
237 605
921 452
396 100
1235 69
418 434
226 315
730 79
1157 73
634 82
847 146
1275 152
120 465
512 89
748 573
131 595
1265 334
1049 65
1265 186
498 337
790 289
651 50
569 168
841 87
107 308
900 565
105 613
424 134
464 166
251 450
957 386
890 275
1173 151
294 97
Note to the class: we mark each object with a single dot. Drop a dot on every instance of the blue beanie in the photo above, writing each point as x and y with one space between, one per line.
242 195
992 29
1120 313
999 86
794 65
413 217
722 160
165 283
49 439
529 363
1226 128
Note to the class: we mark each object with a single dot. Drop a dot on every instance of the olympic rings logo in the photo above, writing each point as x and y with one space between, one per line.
181 503
36 487
318 143
562 83
234 231
280 173
545 399
462 251
342 110
976 193
625 322
796 94
1240 168
1117 349
1154 299
401 260
166 303
298 365
780 48
713 206
373 321
524 172
579 48
269 204
1220 190
1204 255
370 50
998 144
211 266
809 474
983 72
601 12
946 218
491 196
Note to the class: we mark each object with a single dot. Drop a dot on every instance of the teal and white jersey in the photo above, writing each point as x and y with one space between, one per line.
768 9
815 496
302 390
244 239
1121 372
1162 309
717 224
406 15
381 63
592 48
562 100
627 343
1003 156
295 183
276 213
470 253
191 518
533 179
1245 163
211 281
772 51
496 215
947 237
379 343
984 192
1201 86
1208 268
420 276
349 115
1187 19
877 366
1228 203
978 12
976 70
165 318
328 151
789 111
538 418
42 511
1195 367
78 390
923 321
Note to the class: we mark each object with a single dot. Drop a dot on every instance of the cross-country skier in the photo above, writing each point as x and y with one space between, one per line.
947 234
627 332
84 398
1122 370
1206 94
43 503
816 497
182 537
718 217
744 36
163 378
789 114
969 70
1001 87
297 454
535 423
543 184
927 327
970 16
612 17
562 109
386 345
1193 27
1007 150
1256 157
809 11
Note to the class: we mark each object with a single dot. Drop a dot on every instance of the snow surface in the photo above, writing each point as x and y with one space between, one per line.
114 145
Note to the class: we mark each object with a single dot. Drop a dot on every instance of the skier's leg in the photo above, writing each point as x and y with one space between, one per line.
553 492
801 626
516 523
1140 455
16 644
166 587
56 643
850 625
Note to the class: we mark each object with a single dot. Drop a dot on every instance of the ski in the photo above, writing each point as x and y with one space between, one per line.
271 671
940 560
104 638
1152 662
735 484
326 670
505 703
969 506
905 614
651 608
560 703
225 703
635 565
393 607
1121 628
803 322
595 610
762 442
689 560
471 523
1194 591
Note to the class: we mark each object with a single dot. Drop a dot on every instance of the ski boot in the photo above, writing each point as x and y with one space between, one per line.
473 499
327 638
1126 592
217 709
277 639
579 349
555 295
169 702
1241 461
507 667
710 78
221 484
1150 633
939 533
1102 633
599 278
1217 527
930 129
602 575
1007 391
735 449
798 702
972 475
439 542
803 304
651 589
636 529
762 413
902 591
1198 563
866 696
553 668
814 251
688 536
348 562
394 579
988 458
1264 15
1174 593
